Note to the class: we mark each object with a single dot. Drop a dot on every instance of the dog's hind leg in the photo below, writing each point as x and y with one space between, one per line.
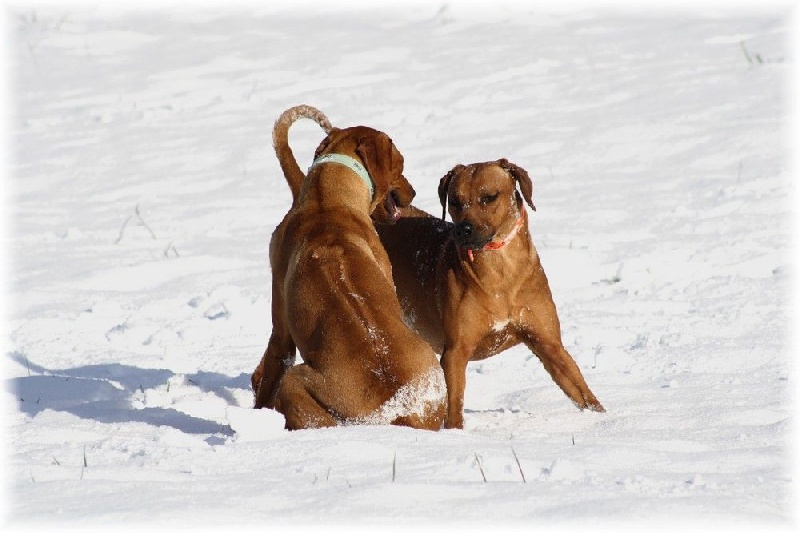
297 401
278 358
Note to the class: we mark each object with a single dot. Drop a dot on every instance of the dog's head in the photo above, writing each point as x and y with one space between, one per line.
482 199
383 162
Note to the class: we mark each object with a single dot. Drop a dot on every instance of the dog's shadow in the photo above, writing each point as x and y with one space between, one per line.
104 393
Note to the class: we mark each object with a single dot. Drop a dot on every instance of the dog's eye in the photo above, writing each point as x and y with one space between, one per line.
455 205
487 199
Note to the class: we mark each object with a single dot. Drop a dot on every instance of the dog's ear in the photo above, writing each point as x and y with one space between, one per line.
325 142
520 175
375 151
444 185
384 163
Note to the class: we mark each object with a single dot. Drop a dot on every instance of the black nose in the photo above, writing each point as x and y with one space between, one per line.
464 230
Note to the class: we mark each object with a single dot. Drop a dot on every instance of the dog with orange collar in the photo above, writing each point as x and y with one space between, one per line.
474 288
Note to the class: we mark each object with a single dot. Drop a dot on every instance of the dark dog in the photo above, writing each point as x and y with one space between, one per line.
475 288
332 293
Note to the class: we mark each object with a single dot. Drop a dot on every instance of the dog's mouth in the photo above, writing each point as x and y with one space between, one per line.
391 206
473 244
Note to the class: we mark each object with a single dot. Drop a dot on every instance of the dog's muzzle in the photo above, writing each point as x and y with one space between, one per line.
466 236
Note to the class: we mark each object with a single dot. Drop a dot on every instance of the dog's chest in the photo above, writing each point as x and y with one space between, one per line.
500 335
502 293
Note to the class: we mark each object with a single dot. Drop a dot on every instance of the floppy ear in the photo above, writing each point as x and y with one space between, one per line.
521 176
384 162
403 192
325 142
375 151
399 186
444 185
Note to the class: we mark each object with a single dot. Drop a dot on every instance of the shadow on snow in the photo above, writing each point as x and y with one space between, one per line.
104 393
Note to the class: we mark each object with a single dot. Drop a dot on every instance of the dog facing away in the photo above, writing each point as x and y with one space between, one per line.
333 297
475 288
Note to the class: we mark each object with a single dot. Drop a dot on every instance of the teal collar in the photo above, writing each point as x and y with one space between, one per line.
350 163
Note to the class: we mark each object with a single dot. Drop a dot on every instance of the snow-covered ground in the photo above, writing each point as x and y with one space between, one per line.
142 190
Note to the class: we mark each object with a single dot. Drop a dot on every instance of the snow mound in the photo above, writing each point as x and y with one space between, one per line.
255 424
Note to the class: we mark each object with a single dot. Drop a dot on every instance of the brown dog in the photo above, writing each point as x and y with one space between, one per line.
475 288
333 297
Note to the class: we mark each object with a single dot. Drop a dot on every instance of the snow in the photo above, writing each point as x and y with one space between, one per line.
419 397
142 190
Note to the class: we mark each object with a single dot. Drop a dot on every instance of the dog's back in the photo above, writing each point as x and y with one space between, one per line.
345 319
414 246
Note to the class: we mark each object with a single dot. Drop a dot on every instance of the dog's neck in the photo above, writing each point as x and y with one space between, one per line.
325 182
349 162
497 244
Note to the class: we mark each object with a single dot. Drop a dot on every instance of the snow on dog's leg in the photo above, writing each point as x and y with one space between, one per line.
419 404
425 401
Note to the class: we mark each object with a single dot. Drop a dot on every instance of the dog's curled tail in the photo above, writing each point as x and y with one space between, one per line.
280 141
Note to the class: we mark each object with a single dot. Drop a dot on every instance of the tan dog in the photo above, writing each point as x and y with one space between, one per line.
476 288
333 297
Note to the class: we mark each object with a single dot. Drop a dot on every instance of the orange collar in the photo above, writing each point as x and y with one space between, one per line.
496 245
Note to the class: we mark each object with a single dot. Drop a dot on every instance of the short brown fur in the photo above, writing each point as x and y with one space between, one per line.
333 297
470 309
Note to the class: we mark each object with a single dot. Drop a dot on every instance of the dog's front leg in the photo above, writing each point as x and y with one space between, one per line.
564 371
454 364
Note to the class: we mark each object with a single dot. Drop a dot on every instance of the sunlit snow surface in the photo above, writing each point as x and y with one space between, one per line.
142 191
